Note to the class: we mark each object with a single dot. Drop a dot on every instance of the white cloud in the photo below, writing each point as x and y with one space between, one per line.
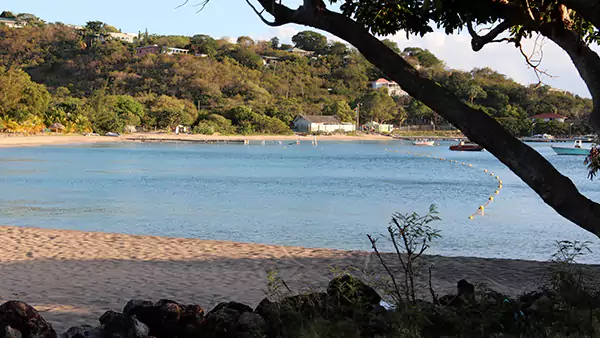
456 51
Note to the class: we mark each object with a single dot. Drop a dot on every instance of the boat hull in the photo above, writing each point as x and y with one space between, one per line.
571 151
466 148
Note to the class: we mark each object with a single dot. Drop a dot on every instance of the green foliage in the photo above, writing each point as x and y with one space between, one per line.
214 123
378 106
235 75
342 110
311 41
249 122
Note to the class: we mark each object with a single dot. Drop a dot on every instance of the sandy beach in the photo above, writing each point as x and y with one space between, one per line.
73 277
10 140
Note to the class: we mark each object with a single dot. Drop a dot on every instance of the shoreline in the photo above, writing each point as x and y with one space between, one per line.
12 141
72 276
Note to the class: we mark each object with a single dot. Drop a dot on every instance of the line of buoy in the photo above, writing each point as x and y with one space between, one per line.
481 210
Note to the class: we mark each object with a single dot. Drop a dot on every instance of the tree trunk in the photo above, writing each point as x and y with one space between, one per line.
585 60
556 190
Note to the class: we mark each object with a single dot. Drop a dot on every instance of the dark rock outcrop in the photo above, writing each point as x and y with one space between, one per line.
24 319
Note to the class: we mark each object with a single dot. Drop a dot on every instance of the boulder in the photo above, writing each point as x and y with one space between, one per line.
309 305
271 313
9 332
224 321
114 324
138 308
83 331
348 290
465 290
25 319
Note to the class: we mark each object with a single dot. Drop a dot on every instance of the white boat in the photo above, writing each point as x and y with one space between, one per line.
576 149
424 143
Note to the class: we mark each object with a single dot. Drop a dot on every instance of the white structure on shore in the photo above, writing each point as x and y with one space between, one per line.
392 87
321 123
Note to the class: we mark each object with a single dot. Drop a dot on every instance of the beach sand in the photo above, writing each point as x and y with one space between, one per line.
11 140
72 277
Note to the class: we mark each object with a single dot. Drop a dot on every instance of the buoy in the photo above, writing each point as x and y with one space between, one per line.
500 181
500 186
470 165
497 177
485 171
481 207
470 217
491 174
497 192
491 198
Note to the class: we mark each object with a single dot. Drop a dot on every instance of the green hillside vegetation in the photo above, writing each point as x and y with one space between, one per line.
83 79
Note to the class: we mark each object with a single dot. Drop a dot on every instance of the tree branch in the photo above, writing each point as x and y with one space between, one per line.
588 9
478 41
262 18
557 190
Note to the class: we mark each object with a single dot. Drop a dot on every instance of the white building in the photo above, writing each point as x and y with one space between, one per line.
392 87
321 123
10 23
549 117
172 50
127 37
379 127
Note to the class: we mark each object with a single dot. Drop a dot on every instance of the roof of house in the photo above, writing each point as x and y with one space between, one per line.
8 19
382 80
548 116
298 50
321 118
145 47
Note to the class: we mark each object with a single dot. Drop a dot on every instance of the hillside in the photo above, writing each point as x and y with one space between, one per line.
87 79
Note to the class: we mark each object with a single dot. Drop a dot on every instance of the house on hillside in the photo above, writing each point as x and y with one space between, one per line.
270 60
299 51
379 127
321 123
155 49
392 87
127 37
10 22
549 117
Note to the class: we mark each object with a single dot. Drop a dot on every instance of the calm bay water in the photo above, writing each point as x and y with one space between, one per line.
326 196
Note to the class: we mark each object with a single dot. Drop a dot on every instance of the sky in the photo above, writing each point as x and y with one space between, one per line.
233 18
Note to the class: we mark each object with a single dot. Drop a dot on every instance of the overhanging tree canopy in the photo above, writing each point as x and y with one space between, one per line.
571 24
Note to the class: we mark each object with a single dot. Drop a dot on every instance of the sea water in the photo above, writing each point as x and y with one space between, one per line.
329 196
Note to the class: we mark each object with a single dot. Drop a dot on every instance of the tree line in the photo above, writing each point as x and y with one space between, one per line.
83 79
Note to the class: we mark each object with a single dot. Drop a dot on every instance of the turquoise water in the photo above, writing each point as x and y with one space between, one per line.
326 196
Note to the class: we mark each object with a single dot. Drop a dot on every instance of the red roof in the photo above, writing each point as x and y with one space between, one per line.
548 116
382 80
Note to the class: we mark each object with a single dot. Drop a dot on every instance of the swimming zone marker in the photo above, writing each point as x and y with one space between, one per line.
481 210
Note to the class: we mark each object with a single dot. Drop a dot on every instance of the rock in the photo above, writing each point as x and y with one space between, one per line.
137 328
223 321
25 319
465 290
164 318
83 331
252 323
348 290
308 305
271 313
9 332
137 308
114 324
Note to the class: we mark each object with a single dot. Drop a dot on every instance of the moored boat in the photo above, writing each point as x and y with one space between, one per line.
462 146
576 149
424 143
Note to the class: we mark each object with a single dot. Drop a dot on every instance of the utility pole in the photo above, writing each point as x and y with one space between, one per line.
357 116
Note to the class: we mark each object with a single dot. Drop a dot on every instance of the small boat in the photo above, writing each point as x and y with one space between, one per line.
576 149
112 134
462 146
424 143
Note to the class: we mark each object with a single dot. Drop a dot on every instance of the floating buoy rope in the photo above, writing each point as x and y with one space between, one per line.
480 211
